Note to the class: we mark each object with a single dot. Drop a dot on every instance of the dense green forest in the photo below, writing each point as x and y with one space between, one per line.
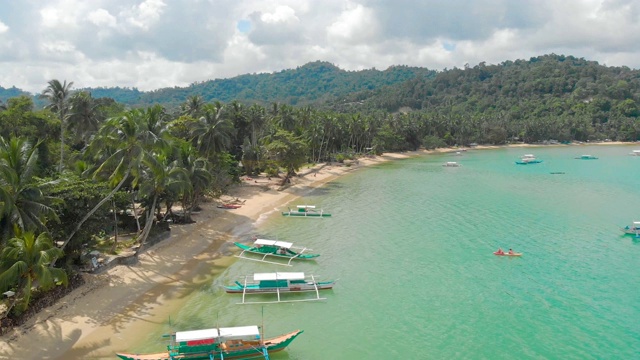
77 164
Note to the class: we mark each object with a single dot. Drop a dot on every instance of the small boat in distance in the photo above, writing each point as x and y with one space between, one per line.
528 159
305 211
508 253
229 206
451 164
279 283
241 342
635 153
634 229
276 249
586 157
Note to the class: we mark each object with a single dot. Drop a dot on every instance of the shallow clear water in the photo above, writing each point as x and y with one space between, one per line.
411 243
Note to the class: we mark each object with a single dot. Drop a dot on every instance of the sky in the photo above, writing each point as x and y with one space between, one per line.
153 44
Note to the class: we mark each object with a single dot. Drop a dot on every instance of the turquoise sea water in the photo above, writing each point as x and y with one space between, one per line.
411 243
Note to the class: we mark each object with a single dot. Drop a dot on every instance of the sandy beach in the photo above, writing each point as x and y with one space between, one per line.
97 319
114 307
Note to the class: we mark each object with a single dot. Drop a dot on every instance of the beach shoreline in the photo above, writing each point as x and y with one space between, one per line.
98 318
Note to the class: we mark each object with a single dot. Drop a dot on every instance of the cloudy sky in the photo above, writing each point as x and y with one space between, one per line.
151 44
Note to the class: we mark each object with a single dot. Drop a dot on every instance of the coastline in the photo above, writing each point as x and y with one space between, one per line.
96 319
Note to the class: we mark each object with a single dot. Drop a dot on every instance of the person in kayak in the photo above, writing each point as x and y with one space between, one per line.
500 252
510 252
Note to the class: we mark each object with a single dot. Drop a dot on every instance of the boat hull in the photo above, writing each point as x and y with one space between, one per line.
250 350
304 214
528 162
507 254
294 288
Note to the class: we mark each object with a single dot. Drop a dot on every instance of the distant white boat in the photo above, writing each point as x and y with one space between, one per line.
451 164
635 153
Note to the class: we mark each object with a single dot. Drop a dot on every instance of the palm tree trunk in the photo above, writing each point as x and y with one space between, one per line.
135 212
115 228
147 226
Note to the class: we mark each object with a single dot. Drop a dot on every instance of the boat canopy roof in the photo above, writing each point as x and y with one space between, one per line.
636 223
528 155
230 332
278 276
239 331
283 244
193 335
306 206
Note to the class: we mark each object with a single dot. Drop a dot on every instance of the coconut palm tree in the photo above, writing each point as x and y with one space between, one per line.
84 116
24 204
120 147
193 106
24 265
160 177
57 94
213 133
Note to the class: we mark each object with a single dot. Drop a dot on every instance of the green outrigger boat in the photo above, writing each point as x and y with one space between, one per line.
242 342
305 211
274 249
279 283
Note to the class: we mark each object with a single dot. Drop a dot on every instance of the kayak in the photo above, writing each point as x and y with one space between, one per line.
507 254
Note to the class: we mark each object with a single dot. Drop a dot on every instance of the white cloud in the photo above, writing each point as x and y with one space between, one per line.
282 14
146 14
102 17
355 25
156 43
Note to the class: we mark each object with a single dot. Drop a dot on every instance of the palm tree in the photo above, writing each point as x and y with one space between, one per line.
57 94
213 133
24 265
24 204
159 178
197 169
120 147
85 116
193 106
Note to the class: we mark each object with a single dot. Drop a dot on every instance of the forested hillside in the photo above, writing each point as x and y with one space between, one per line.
550 85
312 83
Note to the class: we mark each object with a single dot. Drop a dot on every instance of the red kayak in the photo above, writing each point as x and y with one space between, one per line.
507 254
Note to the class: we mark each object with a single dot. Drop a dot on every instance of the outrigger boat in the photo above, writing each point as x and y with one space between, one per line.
634 229
305 211
242 342
586 157
274 248
528 159
279 283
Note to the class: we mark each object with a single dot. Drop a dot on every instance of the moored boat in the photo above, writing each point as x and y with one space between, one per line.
279 283
277 249
528 159
242 342
451 164
305 211
586 157
635 153
634 229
